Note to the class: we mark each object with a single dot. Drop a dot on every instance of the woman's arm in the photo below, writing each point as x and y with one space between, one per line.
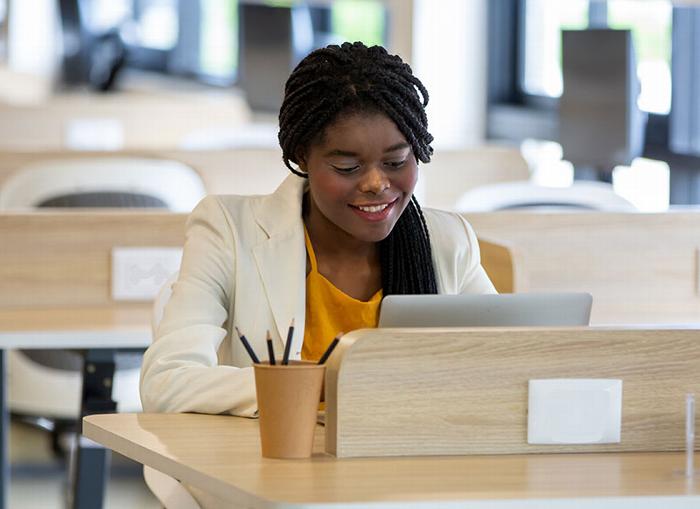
456 254
180 371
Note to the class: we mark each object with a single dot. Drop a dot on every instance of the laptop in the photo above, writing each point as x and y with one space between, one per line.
504 310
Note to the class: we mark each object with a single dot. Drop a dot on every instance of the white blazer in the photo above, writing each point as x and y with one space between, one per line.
244 264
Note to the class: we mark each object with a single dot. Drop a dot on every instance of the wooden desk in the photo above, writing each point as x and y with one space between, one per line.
221 456
75 327
95 329
55 293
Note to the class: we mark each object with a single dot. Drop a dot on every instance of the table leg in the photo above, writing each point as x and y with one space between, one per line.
4 433
91 459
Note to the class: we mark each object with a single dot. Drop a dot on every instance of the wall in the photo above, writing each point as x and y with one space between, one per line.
449 56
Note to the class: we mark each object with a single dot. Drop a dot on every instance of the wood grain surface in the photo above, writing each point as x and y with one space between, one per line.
221 456
640 268
64 259
465 391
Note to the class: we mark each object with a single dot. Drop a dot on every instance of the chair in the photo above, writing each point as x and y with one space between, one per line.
451 173
103 182
45 385
499 264
519 195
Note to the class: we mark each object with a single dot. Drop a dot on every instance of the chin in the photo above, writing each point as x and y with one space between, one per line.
376 234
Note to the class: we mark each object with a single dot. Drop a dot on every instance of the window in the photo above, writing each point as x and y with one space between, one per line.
3 30
544 21
219 38
651 25
100 16
149 24
216 30
359 20
154 25
525 80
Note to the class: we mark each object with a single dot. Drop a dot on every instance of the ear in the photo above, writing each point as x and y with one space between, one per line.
300 157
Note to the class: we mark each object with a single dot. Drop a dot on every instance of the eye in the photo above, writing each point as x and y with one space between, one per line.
395 164
344 169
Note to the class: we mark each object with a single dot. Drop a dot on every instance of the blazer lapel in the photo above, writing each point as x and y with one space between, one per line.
281 259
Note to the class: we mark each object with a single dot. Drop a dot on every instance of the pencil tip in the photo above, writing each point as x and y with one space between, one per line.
292 322
269 336
237 331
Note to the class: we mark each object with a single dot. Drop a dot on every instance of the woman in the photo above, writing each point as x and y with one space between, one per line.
323 248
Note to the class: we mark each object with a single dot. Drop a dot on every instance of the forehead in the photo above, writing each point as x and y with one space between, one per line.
361 130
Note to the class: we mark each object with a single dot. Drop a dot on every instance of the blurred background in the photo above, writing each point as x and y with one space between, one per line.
581 104
497 73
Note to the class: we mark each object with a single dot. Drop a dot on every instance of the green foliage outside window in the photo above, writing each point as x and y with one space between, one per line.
359 20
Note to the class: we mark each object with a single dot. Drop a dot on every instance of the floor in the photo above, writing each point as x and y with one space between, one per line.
38 480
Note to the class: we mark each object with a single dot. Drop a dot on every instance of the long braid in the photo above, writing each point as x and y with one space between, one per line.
354 78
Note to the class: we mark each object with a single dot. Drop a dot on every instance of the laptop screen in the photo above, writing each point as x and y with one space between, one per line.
505 310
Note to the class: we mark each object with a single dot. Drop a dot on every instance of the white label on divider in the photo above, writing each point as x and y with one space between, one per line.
94 134
139 272
574 411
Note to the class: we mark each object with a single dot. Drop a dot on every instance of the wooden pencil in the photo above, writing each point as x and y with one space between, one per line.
247 347
288 344
330 349
270 349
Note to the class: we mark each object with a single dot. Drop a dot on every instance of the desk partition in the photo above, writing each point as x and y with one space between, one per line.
55 276
410 392
640 268
63 259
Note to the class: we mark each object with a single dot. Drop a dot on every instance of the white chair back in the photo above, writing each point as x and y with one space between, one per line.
452 173
172 182
514 195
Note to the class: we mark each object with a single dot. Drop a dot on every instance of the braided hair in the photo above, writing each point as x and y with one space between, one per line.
353 78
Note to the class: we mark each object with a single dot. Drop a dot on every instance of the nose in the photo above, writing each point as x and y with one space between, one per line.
374 181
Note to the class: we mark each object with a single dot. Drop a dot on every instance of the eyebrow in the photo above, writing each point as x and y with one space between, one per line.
345 153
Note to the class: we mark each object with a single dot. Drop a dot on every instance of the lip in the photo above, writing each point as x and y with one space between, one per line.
374 216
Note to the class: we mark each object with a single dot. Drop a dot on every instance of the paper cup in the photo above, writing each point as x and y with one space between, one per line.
288 398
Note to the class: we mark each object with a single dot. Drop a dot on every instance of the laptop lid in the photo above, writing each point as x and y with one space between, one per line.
505 310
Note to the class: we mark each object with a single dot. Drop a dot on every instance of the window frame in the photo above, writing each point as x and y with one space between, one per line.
513 114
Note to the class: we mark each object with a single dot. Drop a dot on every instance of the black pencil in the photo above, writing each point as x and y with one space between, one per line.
330 349
270 349
247 346
288 344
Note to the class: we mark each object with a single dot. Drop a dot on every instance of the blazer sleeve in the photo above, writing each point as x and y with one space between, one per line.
180 371
456 255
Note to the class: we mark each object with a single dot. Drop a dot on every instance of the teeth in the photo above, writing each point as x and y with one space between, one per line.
375 208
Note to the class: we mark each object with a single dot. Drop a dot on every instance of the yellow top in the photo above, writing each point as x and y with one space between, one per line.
330 311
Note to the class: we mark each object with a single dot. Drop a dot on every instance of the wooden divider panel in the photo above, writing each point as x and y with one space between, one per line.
640 268
412 392
64 258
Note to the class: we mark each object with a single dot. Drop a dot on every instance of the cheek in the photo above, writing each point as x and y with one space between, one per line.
407 181
329 191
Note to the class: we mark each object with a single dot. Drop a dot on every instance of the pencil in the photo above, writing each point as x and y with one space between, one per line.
288 344
270 349
247 346
330 349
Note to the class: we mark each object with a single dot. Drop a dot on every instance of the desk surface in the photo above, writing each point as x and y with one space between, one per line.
221 455
70 327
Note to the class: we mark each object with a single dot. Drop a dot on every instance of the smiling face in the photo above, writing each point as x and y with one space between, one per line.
361 178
